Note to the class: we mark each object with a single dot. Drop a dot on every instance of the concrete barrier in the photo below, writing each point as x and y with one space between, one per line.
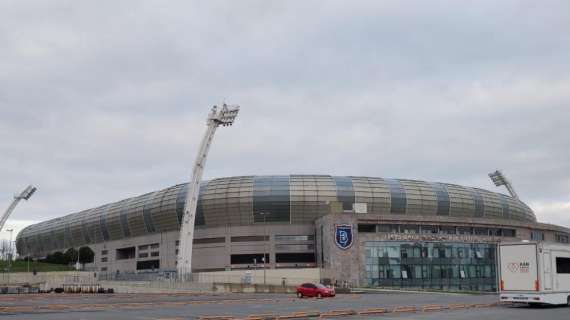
72 280
252 288
157 287
47 280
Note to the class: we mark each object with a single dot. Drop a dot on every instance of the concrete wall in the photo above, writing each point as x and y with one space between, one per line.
206 257
47 280
338 264
223 281
291 277
157 286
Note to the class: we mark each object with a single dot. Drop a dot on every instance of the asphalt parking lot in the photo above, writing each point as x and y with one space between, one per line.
263 306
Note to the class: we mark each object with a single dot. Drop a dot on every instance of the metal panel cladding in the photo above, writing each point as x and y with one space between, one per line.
271 195
238 201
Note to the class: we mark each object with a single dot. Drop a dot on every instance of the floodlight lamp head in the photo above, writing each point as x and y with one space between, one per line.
225 116
27 193
498 178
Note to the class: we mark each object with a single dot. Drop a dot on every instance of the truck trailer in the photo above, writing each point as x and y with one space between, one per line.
534 272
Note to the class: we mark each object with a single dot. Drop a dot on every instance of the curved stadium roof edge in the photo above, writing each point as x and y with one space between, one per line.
295 199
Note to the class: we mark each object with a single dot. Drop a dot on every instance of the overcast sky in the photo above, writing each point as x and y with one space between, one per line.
103 100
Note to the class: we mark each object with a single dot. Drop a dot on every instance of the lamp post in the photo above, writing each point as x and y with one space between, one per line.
264 215
10 247
9 254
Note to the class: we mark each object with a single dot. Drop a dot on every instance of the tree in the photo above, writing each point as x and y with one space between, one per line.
86 255
70 256
56 258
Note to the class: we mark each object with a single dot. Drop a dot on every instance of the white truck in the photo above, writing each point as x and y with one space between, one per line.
534 272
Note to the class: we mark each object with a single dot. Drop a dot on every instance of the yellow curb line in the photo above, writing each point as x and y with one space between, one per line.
374 311
405 309
262 316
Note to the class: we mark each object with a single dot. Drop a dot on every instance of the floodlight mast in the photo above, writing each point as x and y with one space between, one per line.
26 194
499 179
223 117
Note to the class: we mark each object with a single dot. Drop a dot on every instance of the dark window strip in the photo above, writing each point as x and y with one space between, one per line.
104 230
505 204
442 199
397 195
479 204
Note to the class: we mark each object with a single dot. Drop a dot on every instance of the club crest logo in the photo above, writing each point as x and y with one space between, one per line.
343 236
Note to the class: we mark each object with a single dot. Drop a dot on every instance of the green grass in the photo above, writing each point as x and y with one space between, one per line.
22 266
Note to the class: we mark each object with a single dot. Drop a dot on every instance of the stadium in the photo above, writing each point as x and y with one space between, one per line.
360 231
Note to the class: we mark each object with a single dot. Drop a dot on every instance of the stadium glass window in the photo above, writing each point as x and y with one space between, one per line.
104 259
104 252
154 246
447 230
148 265
104 269
154 254
481 231
143 255
177 243
496 232
537 235
294 247
249 238
295 257
562 238
294 237
209 240
429 229
125 253
144 247
367 228
509 233
411 229
389 228
248 258
562 265
464 230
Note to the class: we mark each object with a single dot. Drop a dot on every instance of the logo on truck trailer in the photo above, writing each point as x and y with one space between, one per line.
522 267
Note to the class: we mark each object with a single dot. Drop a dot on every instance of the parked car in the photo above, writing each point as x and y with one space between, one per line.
314 290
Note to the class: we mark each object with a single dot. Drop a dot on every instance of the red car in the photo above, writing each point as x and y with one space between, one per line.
314 290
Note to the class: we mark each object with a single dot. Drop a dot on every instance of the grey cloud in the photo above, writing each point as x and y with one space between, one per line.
105 100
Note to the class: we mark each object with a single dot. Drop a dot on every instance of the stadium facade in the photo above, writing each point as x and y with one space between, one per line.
363 231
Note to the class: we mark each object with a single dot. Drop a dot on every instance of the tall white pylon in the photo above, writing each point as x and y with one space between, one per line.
223 117
26 194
